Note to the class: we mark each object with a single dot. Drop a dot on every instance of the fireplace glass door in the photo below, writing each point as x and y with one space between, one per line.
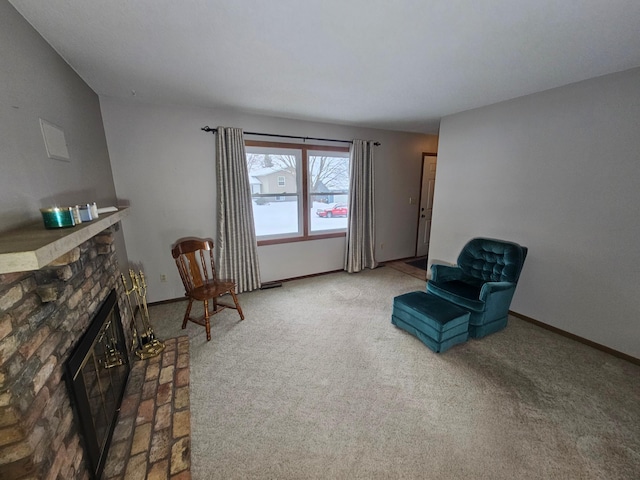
98 371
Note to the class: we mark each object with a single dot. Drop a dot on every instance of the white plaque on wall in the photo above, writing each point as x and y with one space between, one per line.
54 141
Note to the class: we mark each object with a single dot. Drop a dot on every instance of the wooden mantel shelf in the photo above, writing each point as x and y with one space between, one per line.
33 246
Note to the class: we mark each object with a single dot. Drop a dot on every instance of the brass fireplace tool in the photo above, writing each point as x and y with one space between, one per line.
147 343
112 356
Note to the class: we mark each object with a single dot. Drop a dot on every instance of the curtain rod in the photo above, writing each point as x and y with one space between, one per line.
214 130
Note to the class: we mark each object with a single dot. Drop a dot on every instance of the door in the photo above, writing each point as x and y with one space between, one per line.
426 203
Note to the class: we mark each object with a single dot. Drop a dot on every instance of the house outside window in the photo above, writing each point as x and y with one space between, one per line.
300 192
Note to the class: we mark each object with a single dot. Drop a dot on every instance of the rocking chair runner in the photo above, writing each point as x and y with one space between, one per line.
200 281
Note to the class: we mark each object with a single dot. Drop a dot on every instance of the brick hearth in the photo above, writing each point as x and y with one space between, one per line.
152 436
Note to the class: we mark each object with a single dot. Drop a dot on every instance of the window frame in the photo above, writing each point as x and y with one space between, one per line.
306 227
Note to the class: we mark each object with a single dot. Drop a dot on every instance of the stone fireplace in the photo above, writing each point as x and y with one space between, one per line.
53 285
43 314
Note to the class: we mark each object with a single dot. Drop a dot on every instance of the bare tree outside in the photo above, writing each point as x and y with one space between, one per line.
330 173
284 162
326 173
255 161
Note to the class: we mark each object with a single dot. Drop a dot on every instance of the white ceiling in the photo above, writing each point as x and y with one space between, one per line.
398 65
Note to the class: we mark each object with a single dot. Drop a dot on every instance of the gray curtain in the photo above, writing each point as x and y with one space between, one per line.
236 246
361 227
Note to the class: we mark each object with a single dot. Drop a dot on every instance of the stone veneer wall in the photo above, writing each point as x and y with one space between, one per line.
42 316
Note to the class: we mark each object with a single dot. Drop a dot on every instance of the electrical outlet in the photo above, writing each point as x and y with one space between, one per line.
163 277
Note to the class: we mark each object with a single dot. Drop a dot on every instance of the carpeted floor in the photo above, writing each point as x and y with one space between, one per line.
317 383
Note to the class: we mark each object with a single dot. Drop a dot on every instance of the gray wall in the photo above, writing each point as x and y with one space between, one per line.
559 172
164 165
36 83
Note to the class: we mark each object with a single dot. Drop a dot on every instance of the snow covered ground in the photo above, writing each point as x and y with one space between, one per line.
277 218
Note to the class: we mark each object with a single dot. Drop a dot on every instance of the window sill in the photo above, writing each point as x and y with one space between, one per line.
308 238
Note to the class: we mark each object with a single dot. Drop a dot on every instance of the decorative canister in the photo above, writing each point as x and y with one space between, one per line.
85 213
57 217
76 214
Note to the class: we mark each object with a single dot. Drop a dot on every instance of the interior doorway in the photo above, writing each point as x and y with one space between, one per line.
429 161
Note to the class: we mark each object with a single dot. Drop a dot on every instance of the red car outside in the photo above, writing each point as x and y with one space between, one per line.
334 210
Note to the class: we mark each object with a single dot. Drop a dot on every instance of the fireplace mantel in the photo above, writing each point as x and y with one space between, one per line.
33 246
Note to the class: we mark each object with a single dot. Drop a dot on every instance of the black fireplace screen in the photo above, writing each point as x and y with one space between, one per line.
97 372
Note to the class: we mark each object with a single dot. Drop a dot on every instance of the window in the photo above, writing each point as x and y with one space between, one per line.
300 192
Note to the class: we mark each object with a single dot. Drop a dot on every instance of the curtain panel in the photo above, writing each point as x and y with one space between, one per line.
236 245
361 243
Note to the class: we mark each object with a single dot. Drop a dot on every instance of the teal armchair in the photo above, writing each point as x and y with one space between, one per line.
483 282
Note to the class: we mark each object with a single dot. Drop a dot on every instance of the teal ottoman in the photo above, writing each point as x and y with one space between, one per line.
437 323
